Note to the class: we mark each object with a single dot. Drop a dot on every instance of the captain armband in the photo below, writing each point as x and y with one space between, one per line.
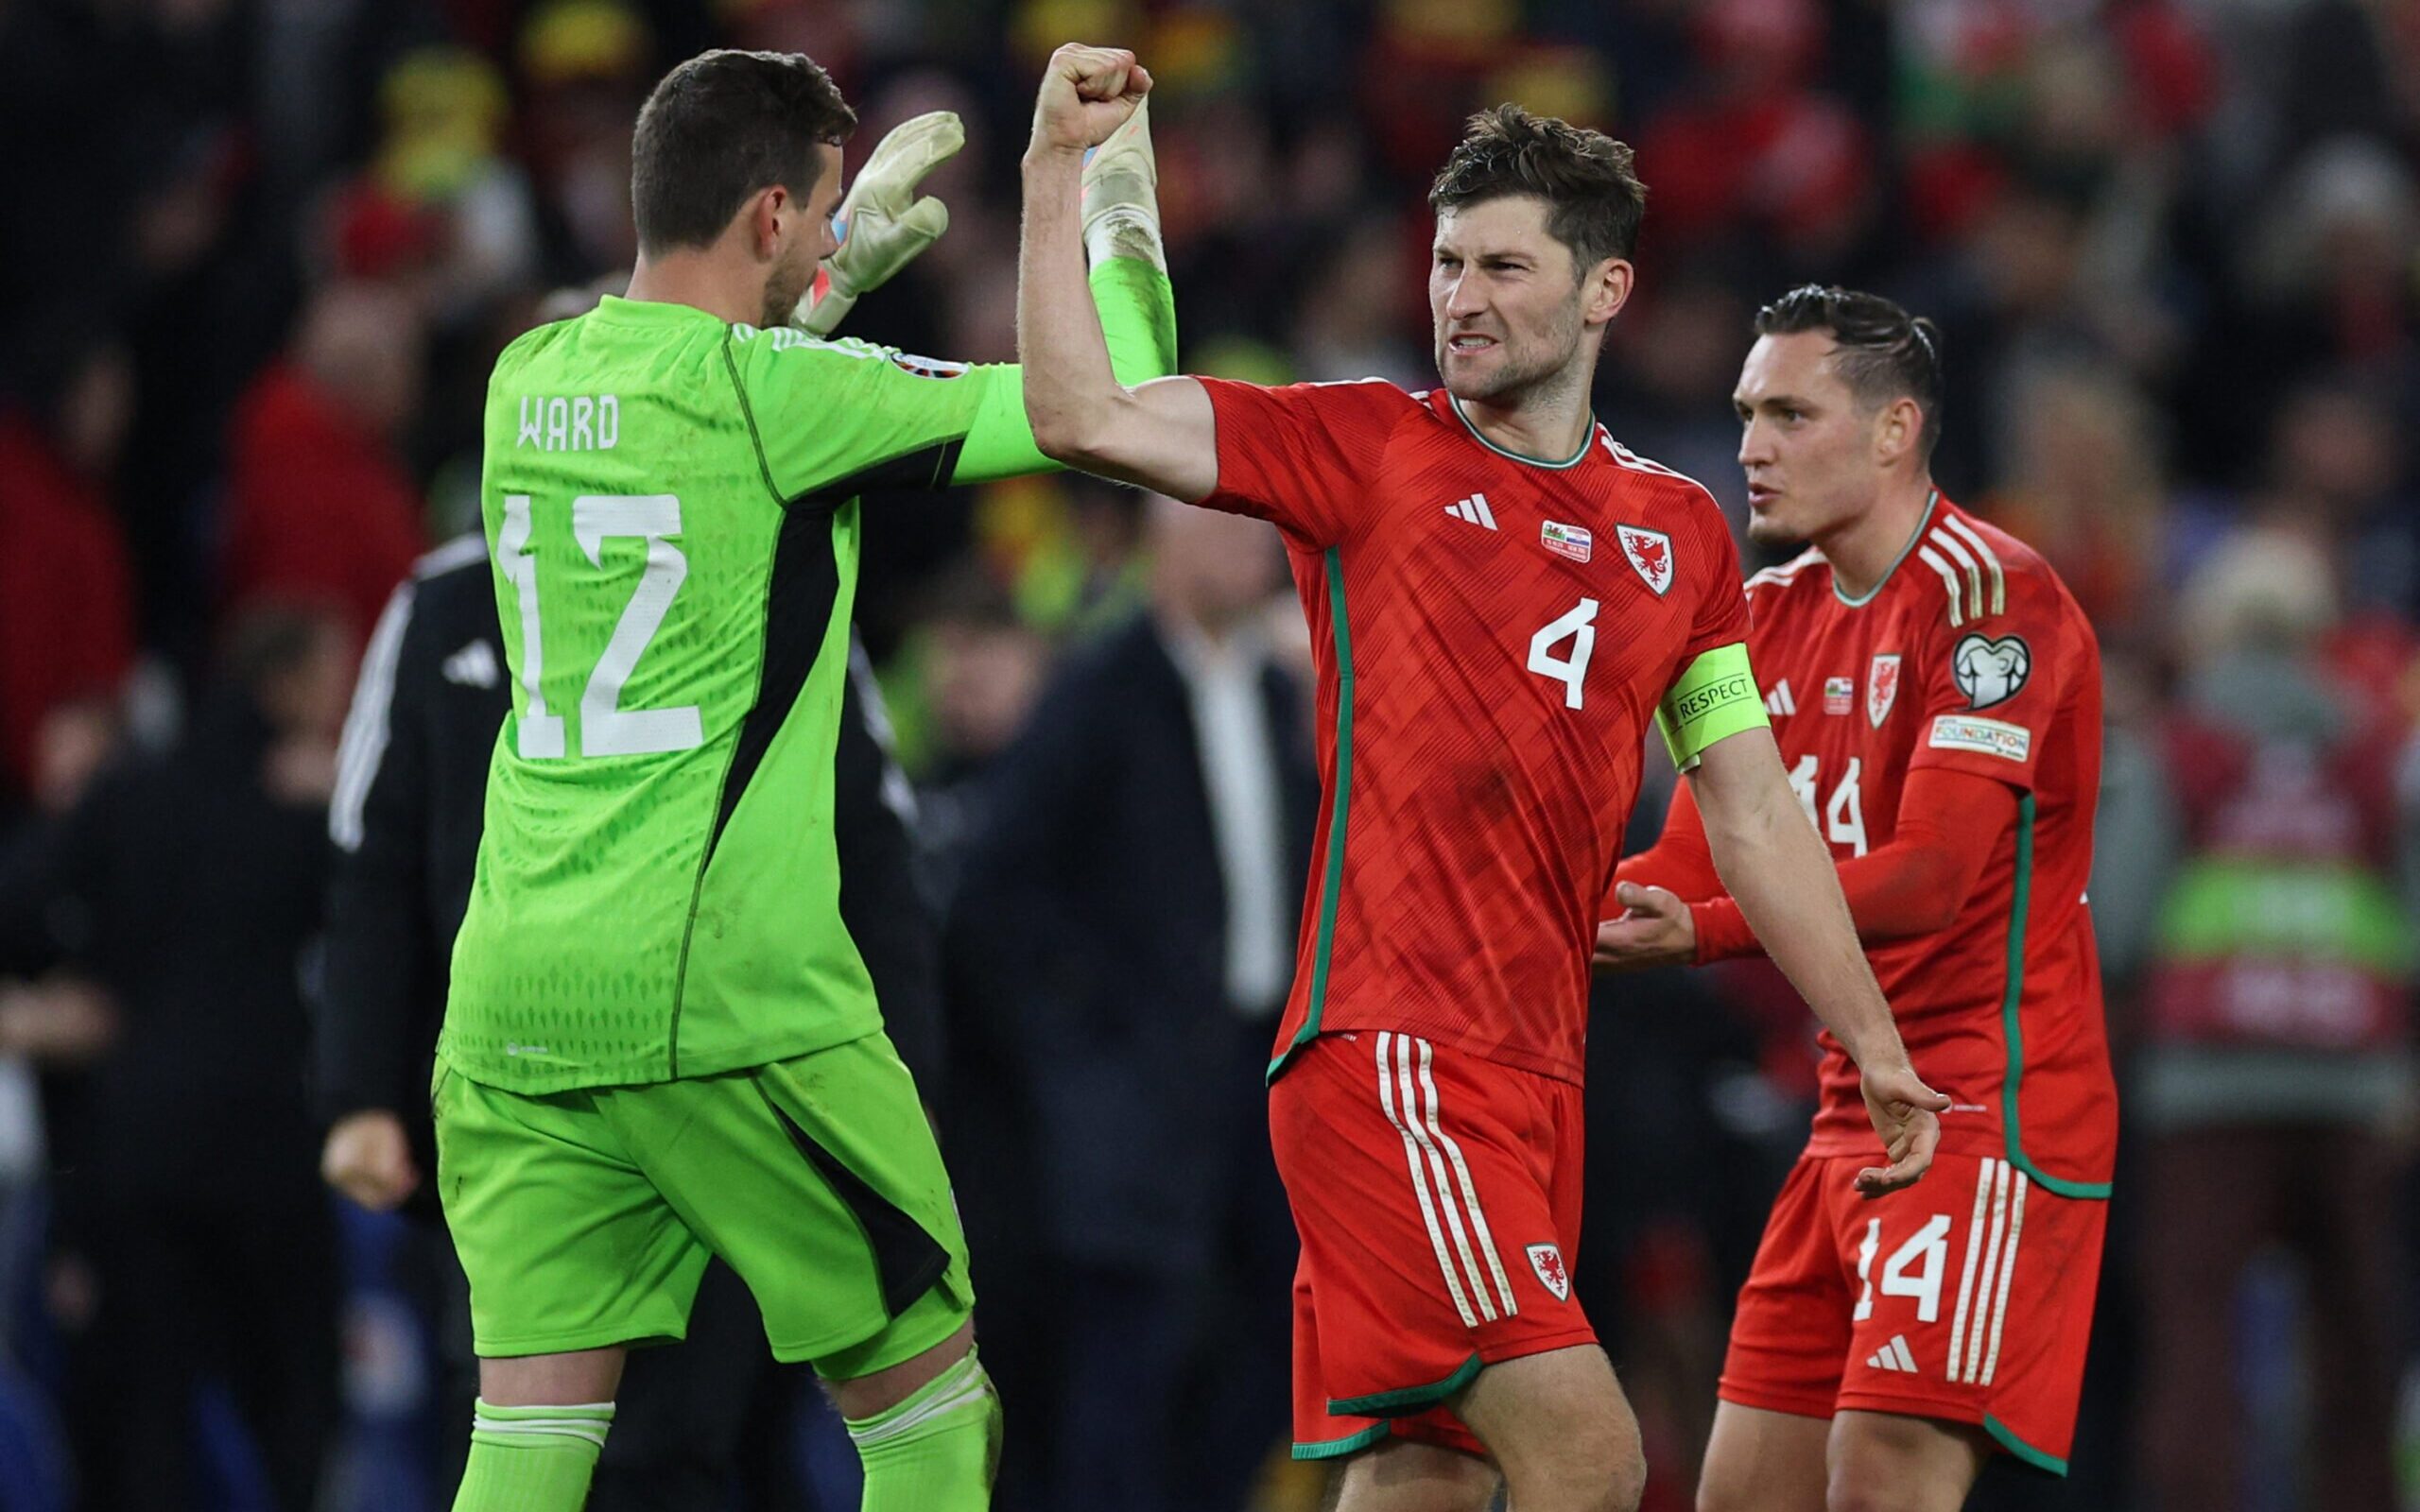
1713 698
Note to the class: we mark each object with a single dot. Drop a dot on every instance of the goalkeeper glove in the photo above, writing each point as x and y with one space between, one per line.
882 224
1121 203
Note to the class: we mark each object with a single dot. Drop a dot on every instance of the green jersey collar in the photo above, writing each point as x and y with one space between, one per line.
649 312
1573 461
1932 503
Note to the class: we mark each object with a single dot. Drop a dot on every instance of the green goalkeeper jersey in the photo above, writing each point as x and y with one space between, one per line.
671 503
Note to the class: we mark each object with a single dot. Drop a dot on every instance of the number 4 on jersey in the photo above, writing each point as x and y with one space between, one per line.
1579 629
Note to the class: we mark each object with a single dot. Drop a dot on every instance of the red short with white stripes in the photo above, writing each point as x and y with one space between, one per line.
1967 1298
1438 1199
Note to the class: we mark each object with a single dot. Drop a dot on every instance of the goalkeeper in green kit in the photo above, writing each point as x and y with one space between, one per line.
660 1042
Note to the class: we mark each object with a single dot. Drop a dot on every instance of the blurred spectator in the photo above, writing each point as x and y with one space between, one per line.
1668 395
2339 465
1352 322
2321 282
1758 147
2083 486
1133 895
319 504
587 65
66 603
190 1219
2279 1057
445 110
973 671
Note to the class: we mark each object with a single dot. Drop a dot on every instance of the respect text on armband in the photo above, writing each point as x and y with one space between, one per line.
1699 702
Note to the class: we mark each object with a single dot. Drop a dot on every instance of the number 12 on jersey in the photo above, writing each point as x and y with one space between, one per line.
606 729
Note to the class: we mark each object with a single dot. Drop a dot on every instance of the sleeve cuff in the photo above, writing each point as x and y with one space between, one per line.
1722 931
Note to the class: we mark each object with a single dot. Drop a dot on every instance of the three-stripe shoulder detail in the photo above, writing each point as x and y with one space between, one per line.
1624 456
1971 574
1784 572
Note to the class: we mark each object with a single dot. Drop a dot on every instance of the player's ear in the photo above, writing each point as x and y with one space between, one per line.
1897 431
1605 289
766 209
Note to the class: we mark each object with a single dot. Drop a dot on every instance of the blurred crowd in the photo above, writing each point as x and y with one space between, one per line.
258 259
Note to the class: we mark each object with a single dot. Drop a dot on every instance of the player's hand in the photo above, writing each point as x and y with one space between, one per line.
1906 1113
1087 93
1121 195
1655 929
61 1020
369 1159
881 223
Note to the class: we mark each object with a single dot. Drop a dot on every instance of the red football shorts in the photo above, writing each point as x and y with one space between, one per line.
1968 1296
1438 1199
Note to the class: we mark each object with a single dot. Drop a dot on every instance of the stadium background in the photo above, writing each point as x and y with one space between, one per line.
258 255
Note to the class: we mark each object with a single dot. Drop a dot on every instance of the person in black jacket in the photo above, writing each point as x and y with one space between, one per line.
1131 899
406 822
185 888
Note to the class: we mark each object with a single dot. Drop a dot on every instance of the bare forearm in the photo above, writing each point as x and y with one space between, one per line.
1782 877
1066 361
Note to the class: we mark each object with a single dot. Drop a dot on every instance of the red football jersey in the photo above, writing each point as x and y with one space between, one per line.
1494 635
1970 655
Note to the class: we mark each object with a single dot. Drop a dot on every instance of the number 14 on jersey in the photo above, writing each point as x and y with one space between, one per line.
1844 820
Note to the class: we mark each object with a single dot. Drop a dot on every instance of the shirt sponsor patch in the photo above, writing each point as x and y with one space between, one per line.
1839 695
1567 540
1993 737
1989 671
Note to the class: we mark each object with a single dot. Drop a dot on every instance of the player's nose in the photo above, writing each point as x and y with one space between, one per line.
1463 299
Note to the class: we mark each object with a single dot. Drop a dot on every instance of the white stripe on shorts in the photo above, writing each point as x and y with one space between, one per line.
1966 1269
1387 1084
1470 1192
1973 1360
1408 1096
2008 1268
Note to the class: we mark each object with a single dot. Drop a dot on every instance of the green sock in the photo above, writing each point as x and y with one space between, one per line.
936 1451
532 1459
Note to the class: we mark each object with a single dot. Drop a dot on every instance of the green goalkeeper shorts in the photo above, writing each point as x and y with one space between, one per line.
586 1218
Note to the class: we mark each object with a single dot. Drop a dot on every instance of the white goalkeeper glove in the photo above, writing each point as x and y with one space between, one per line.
882 224
1121 203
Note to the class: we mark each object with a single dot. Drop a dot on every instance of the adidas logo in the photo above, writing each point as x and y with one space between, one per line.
473 666
1780 701
1894 1356
1474 509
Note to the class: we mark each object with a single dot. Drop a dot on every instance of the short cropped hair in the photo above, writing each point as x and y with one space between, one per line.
1594 198
721 127
1884 351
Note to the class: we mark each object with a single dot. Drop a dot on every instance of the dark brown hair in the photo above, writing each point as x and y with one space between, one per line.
722 127
1594 198
1884 351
